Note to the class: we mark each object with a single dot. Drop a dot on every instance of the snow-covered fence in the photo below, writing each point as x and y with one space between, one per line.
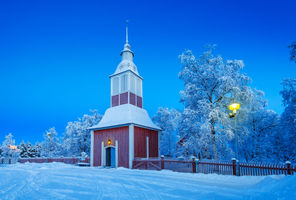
208 167
159 164
67 160
259 169
8 160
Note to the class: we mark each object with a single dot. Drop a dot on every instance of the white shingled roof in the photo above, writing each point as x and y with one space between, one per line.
124 115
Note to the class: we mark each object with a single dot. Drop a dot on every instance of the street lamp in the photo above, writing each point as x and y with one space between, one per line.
234 107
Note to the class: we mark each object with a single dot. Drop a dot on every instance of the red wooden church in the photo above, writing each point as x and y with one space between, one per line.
126 130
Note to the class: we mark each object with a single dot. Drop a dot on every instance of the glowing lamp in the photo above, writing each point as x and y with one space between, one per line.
109 142
13 147
234 107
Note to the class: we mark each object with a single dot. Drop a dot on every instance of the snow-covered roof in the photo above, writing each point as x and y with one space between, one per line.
124 115
126 65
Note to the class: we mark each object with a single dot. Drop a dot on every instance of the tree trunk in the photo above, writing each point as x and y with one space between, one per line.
214 147
214 140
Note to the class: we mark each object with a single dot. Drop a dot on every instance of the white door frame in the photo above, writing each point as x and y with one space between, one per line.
103 153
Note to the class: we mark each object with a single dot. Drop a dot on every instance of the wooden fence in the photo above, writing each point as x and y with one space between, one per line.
208 167
8 160
259 169
159 164
66 160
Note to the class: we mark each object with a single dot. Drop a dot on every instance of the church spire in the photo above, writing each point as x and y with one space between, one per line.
127 53
126 32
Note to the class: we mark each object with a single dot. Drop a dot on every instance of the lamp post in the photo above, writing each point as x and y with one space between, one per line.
234 107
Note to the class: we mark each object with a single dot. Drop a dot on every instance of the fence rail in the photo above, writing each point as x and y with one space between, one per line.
159 164
66 160
208 167
225 168
259 169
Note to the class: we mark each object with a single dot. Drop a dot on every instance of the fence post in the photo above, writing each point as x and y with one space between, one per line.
162 162
133 167
197 163
288 164
193 165
234 166
237 168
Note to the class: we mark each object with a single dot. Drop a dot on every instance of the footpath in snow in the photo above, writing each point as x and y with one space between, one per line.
62 181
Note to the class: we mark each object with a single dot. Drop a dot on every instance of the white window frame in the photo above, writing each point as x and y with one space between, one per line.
125 80
113 92
139 87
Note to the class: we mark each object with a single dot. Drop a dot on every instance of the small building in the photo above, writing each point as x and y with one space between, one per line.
126 130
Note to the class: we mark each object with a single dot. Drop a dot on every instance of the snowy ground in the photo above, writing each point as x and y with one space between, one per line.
61 181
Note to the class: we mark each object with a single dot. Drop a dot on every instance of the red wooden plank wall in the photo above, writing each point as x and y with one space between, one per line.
121 135
139 102
124 98
132 98
115 100
140 135
120 99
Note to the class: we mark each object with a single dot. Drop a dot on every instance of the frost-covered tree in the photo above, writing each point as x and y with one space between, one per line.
261 138
77 136
23 150
9 149
168 121
38 148
51 146
292 48
288 119
27 150
211 84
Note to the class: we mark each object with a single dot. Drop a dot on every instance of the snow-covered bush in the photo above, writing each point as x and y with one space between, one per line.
27 150
9 149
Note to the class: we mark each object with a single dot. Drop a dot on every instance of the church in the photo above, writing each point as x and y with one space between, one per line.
126 131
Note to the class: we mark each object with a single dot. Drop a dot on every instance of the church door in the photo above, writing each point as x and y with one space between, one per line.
110 157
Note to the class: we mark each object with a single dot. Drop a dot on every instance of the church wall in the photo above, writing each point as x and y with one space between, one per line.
139 102
140 147
132 98
120 134
124 98
115 100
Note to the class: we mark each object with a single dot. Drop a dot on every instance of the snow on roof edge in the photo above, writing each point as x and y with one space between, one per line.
125 114
122 125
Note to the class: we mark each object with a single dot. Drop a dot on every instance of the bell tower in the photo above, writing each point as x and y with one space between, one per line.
126 131
126 83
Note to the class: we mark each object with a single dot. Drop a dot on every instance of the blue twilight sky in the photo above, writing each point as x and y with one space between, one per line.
56 56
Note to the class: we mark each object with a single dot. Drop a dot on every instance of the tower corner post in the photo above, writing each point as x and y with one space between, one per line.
92 148
131 144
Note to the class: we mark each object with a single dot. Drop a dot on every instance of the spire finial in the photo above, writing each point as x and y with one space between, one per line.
126 34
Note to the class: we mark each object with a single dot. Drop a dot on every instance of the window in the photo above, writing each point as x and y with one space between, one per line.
115 85
123 83
139 87
132 84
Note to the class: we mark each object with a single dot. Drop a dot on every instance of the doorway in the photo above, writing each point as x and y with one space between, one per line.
110 157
